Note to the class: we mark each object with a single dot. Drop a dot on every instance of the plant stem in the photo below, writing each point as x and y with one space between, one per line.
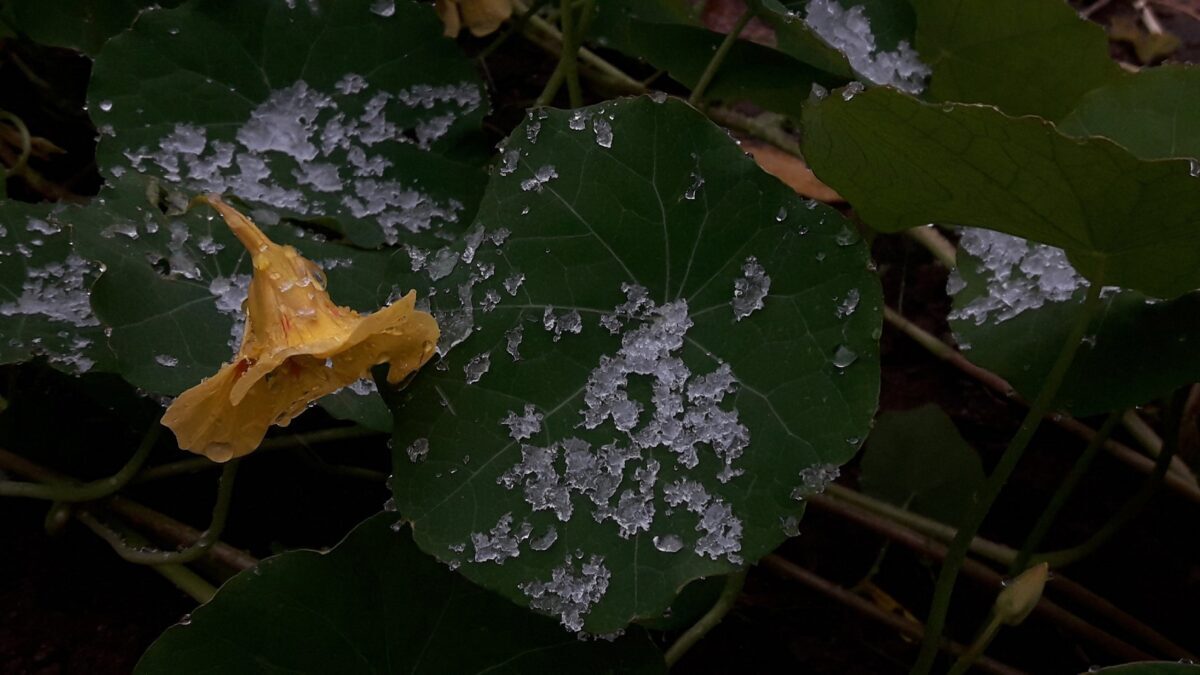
935 243
969 657
18 166
957 553
184 579
569 59
209 537
1062 494
837 593
513 28
1134 506
929 527
86 492
718 57
1182 485
724 603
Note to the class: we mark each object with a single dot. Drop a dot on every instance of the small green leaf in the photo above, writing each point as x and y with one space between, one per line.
916 459
1029 57
1152 114
375 604
903 163
629 226
322 110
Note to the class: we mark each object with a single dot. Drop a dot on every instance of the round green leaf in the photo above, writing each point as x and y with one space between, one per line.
1029 57
1013 297
638 243
375 604
1150 668
1152 114
345 111
903 163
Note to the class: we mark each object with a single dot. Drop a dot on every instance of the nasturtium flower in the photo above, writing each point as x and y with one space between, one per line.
297 347
481 17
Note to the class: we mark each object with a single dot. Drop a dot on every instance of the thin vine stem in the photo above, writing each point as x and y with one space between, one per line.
724 603
18 166
1063 493
957 552
718 57
978 646
180 575
1134 506
514 27
220 514
86 492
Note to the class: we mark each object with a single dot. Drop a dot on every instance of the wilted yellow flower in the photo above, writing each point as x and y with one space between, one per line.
298 346
481 17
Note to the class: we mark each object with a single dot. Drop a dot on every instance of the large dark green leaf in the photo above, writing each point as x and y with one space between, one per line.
1017 296
1029 57
1152 114
903 163
916 459
375 604
666 34
44 286
1014 297
79 24
636 199
342 110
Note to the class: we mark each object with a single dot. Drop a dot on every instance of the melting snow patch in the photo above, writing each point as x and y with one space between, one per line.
477 367
570 593
502 542
849 31
525 425
815 479
418 451
230 293
326 150
1020 275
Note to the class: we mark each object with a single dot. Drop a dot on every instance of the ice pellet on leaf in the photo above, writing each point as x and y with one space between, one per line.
524 425
418 450
849 31
502 542
477 367
571 592
750 289
815 479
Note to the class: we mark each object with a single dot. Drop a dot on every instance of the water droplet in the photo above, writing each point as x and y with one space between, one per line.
668 543
781 216
106 105
844 356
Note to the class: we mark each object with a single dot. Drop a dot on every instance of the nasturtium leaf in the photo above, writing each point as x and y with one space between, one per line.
44 285
84 25
1013 297
669 36
376 604
350 111
1028 57
1151 114
696 346
902 163
916 459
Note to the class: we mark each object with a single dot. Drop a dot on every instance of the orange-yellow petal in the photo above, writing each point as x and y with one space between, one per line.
483 17
447 11
298 347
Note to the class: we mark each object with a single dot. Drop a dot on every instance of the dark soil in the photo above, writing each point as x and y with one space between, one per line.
69 605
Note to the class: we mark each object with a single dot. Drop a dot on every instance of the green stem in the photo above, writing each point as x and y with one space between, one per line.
570 62
718 57
26 141
724 603
1062 494
220 515
183 578
513 28
969 657
192 465
1134 506
86 492
957 552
